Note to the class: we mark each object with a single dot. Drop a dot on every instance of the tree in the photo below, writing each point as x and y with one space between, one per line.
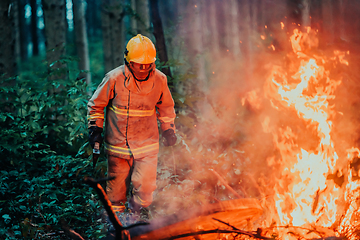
159 36
15 10
262 13
212 18
81 39
55 34
7 40
168 13
143 23
247 41
232 28
22 29
342 25
93 18
306 21
196 10
112 16
34 27
133 19
328 21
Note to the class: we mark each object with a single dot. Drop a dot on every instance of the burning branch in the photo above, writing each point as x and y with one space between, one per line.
222 180
256 234
120 231
217 231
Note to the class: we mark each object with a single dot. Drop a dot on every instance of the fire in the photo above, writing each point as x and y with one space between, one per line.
306 193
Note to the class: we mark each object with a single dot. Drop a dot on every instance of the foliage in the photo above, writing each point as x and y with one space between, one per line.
42 172
45 154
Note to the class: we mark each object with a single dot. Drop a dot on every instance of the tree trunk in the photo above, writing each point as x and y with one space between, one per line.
142 10
168 13
16 11
341 22
113 33
143 17
22 30
7 41
81 39
34 28
133 19
232 33
92 18
197 9
254 12
262 13
160 39
212 19
55 35
181 39
306 21
328 22
247 41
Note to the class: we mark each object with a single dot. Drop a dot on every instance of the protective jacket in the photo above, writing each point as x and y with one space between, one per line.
132 109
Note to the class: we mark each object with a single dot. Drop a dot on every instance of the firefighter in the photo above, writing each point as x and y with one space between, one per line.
135 95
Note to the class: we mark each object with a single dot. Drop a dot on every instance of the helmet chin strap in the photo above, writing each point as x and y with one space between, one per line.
140 80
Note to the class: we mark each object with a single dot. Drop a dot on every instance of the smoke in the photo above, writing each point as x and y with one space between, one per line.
232 131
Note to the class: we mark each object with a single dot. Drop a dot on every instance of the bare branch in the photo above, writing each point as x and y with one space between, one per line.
69 232
107 204
222 180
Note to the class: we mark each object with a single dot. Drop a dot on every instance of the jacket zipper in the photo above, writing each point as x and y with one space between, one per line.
127 122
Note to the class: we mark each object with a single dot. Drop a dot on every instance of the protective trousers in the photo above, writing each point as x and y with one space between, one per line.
140 172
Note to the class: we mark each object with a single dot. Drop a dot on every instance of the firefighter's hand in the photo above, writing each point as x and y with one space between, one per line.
170 137
95 135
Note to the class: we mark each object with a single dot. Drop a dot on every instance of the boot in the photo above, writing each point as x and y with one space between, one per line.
133 206
119 212
137 210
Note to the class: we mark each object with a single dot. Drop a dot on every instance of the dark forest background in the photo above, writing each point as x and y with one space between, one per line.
54 53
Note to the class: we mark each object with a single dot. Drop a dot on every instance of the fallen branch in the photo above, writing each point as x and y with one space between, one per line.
330 238
256 234
214 231
120 231
308 230
69 232
222 180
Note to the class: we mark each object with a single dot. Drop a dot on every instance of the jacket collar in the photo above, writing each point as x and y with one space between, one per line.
139 87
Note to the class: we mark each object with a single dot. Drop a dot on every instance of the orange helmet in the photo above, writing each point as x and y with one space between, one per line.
141 50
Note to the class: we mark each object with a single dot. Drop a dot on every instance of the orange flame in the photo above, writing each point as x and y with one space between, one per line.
304 193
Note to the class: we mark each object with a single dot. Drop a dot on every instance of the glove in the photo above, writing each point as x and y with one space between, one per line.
170 137
95 135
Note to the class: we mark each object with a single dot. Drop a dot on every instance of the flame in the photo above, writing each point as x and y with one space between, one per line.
305 193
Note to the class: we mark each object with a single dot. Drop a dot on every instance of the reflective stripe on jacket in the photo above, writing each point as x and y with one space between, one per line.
132 109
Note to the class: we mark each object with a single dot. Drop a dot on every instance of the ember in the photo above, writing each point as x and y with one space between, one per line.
311 192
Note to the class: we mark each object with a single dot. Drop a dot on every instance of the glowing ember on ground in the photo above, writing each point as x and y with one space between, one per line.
307 191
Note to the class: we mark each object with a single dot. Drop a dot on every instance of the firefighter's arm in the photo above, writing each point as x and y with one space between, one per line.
166 115
99 101
166 111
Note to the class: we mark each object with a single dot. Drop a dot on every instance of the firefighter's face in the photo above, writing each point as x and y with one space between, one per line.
141 71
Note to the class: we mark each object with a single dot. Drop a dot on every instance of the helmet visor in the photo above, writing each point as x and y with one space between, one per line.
141 67
141 71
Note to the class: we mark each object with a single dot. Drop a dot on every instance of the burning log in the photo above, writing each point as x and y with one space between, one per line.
206 220
120 231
